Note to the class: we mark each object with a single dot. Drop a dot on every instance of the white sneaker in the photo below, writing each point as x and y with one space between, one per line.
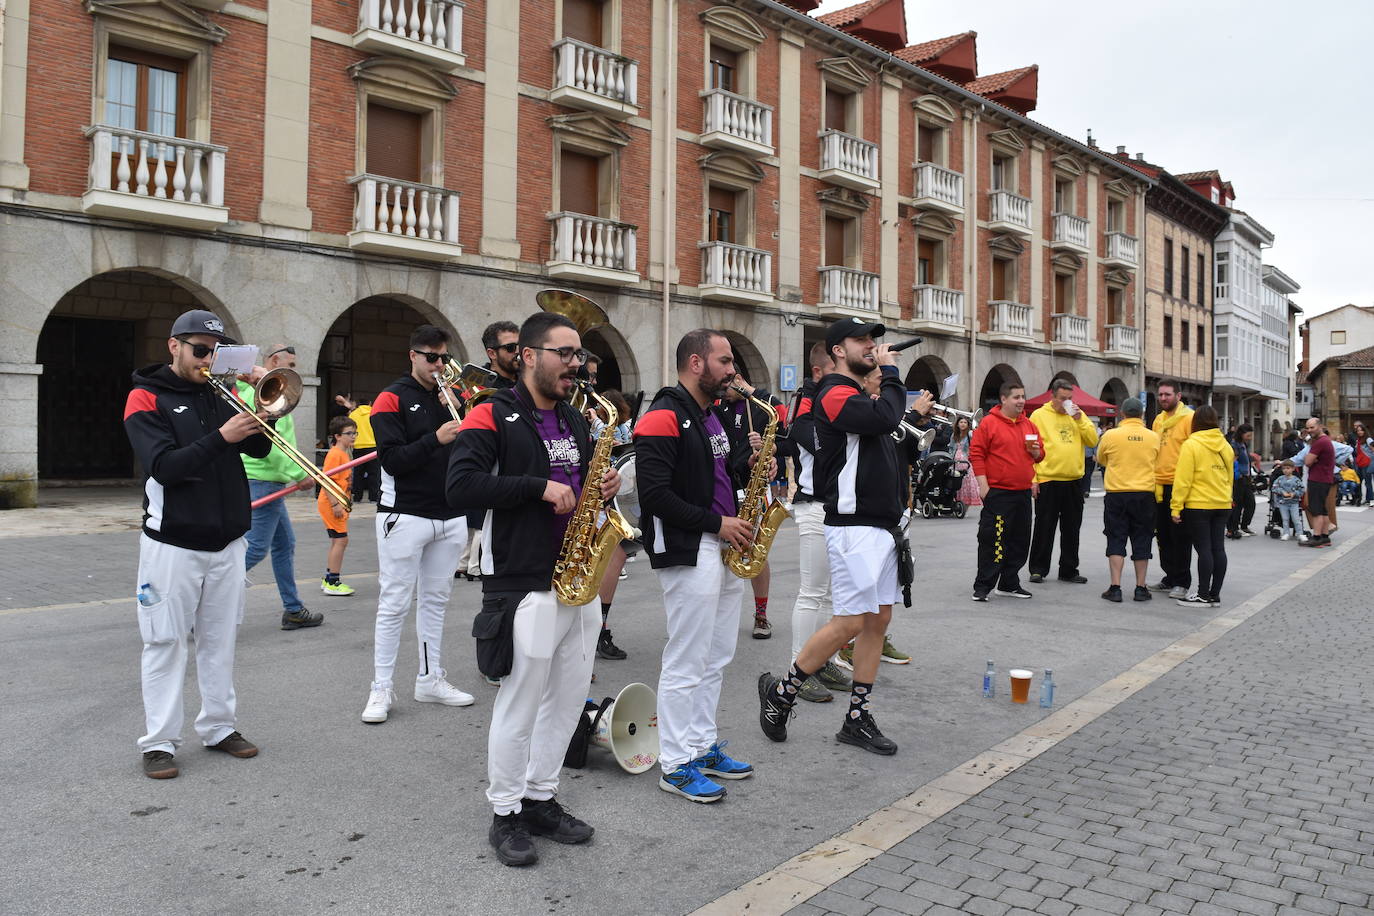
1285 537
1177 592
1193 601
434 689
378 704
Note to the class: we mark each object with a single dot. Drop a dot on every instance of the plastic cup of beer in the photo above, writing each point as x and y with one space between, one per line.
1020 685
1030 441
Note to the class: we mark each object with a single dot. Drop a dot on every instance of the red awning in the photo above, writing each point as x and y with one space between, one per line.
1090 405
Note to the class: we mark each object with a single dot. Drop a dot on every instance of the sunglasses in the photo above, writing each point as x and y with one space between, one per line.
508 347
291 350
433 358
567 354
199 351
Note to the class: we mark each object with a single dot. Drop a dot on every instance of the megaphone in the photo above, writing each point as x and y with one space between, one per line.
628 728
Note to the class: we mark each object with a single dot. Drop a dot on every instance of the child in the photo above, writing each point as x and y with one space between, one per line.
1349 484
1286 492
343 431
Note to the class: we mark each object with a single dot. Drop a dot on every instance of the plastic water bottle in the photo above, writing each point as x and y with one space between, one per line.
147 595
1047 689
990 681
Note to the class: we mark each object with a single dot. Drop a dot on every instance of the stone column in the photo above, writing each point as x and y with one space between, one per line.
889 134
789 166
286 117
19 435
500 131
14 66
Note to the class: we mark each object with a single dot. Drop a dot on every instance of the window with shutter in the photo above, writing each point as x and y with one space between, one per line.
582 20
835 232
929 144
1001 271
925 262
579 183
724 69
1063 294
393 142
720 215
837 104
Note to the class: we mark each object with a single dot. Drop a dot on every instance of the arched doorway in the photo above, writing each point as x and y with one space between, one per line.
928 374
749 361
988 395
1061 374
618 368
99 332
366 349
1115 391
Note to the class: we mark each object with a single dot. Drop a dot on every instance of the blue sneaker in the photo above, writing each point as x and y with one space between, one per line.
688 782
716 762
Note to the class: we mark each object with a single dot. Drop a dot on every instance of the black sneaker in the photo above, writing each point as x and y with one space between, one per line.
159 765
547 818
1075 579
1142 594
1037 577
980 596
511 839
773 711
1163 585
864 732
235 745
1113 593
296 620
605 648
1011 593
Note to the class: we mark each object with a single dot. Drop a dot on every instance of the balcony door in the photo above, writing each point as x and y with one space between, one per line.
582 20
393 142
724 72
836 241
721 222
146 92
927 267
579 183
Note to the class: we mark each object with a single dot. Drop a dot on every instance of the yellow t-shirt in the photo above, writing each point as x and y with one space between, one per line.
362 415
1129 453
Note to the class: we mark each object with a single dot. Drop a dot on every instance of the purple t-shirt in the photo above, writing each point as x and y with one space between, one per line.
1323 470
565 462
723 494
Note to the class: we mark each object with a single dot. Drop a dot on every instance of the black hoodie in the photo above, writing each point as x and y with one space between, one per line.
196 494
414 463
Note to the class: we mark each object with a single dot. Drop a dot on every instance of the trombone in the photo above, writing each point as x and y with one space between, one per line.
276 395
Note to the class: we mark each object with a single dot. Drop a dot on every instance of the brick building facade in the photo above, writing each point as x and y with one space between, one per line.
331 174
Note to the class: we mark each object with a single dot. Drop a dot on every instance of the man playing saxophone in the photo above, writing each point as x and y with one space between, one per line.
521 459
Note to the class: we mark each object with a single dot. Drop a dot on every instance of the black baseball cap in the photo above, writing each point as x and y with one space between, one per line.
199 321
851 327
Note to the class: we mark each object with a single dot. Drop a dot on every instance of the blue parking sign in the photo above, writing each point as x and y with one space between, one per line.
787 378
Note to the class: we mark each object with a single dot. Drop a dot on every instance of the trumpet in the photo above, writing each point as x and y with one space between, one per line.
924 437
474 384
949 416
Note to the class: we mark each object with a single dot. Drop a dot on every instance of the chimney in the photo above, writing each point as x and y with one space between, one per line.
1139 157
1121 150
1091 142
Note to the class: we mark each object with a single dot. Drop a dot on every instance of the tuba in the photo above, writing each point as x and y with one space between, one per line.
587 545
765 517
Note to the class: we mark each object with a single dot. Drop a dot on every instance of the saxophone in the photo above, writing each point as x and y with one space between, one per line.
587 549
764 517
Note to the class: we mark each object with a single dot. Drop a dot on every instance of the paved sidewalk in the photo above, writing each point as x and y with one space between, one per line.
1240 782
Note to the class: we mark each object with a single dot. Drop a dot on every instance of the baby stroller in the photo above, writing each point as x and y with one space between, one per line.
938 480
1273 526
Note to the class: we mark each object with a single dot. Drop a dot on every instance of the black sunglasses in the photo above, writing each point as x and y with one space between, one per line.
291 350
433 358
508 347
199 351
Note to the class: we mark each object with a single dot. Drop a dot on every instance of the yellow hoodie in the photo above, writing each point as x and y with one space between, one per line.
1173 429
1064 438
1128 453
1202 479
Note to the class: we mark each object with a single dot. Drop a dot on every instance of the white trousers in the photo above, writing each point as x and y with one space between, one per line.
472 556
703 608
536 709
416 558
812 610
201 595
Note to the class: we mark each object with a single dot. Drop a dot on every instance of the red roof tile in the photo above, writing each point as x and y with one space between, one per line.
929 50
998 82
1198 176
879 22
850 14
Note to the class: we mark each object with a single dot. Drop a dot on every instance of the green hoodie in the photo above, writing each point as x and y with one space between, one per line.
276 467
1202 479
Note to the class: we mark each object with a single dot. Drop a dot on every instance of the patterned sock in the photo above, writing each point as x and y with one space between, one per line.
788 686
605 612
761 606
858 699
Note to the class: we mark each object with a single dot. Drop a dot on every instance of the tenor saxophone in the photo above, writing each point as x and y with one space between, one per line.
765 518
587 546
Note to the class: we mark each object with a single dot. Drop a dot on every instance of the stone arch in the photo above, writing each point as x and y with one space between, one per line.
92 340
1115 391
927 374
749 361
619 368
1062 373
988 396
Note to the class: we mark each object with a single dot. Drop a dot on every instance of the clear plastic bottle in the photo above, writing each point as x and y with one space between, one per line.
147 595
1047 689
990 681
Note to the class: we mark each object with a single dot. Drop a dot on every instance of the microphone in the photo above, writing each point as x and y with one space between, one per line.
897 347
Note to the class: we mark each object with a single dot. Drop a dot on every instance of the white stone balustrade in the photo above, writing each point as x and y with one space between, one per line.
937 185
1070 230
848 160
851 290
586 76
735 122
427 29
1121 249
169 180
405 208
1010 211
1009 319
735 273
1123 339
937 305
592 248
1070 330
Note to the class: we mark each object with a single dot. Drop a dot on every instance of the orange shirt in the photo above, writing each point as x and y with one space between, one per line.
336 457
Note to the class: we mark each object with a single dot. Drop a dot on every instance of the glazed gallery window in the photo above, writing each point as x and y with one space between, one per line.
145 92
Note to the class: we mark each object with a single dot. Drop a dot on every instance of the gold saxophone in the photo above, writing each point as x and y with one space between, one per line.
765 518
587 548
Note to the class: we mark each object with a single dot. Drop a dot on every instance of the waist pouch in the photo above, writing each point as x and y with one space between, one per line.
494 630
906 567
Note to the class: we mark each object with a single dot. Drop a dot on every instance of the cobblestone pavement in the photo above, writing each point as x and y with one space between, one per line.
1240 782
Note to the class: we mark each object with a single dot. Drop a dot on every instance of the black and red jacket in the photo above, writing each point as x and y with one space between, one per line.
196 494
414 463
498 470
856 458
675 478
803 433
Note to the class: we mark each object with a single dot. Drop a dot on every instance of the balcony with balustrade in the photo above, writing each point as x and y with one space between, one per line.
938 309
1123 343
593 249
404 218
736 123
848 293
1121 250
939 188
150 178
1008 212
593 79
1009 322
1071 332
734 273
430 31
1070 233
849 161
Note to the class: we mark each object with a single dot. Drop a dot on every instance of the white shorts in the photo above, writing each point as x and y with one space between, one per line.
863 569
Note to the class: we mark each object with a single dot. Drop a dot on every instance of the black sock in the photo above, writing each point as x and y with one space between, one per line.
858 700
331 577
605 612
789 685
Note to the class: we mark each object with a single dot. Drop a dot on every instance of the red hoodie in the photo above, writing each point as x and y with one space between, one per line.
998 451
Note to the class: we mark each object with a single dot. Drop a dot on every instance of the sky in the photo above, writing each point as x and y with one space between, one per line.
1275 95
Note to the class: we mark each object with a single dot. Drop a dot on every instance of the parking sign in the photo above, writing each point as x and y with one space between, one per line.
787 378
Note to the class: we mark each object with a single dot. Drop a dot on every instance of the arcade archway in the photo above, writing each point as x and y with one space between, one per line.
618 368
988 395
928 374
1114 392
749 361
